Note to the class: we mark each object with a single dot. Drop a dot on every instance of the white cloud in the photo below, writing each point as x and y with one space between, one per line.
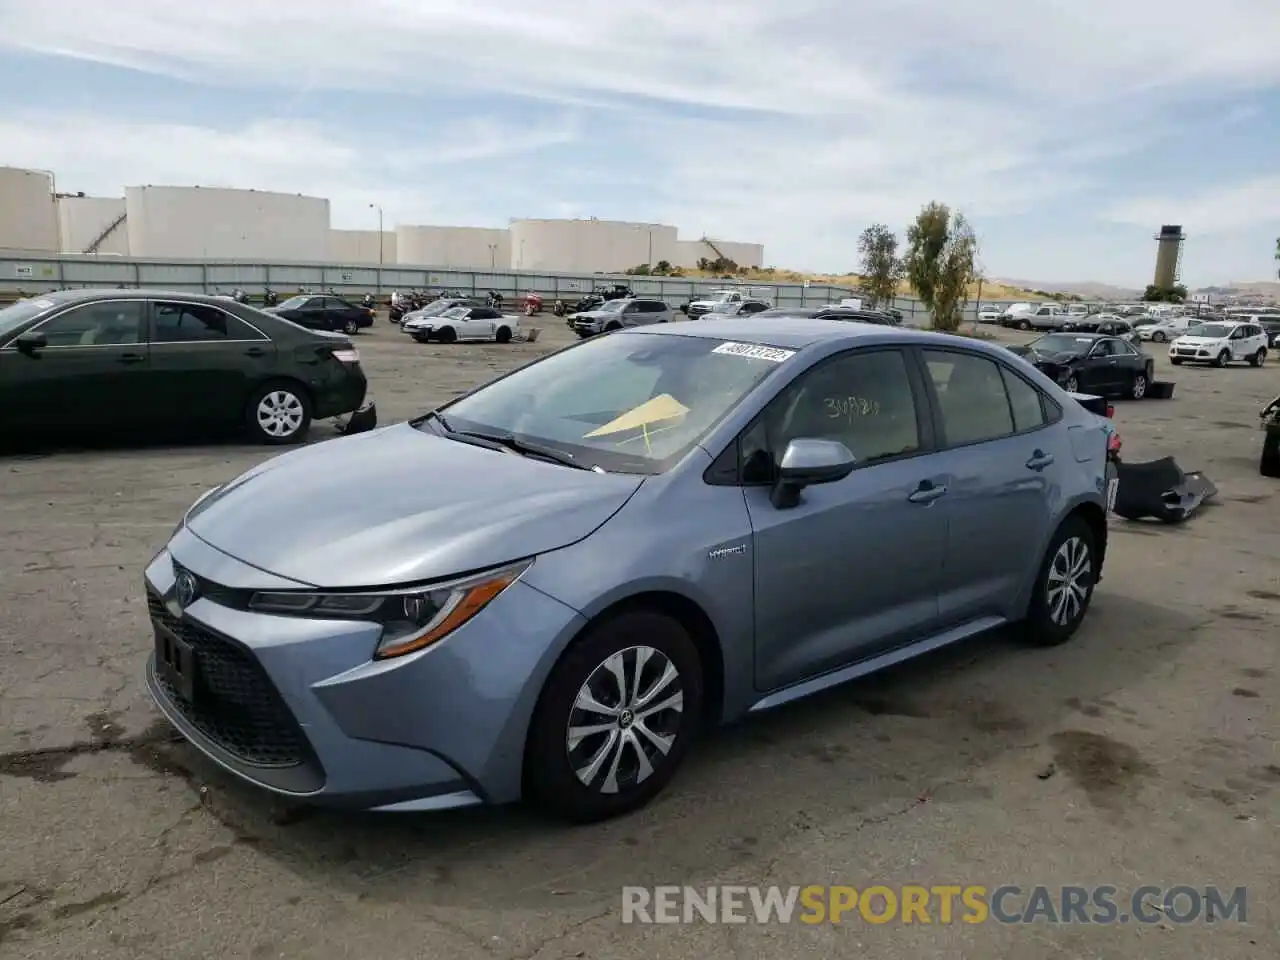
861 111
1218 210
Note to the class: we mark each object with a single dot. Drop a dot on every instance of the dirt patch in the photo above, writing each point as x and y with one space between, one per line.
1106 769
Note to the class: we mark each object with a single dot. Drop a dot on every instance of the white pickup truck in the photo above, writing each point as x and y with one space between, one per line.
700 307
1044 316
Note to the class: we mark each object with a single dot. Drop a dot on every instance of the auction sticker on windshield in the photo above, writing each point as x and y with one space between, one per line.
755 351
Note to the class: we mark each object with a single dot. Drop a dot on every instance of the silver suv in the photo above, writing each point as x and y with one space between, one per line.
616 314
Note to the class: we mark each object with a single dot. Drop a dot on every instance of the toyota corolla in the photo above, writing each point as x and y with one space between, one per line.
546 588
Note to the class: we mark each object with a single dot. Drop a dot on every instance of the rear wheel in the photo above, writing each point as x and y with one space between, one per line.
1259 358
616 718
280 413
1064 585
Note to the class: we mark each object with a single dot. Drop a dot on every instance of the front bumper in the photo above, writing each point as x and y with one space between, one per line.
298 707
1203 354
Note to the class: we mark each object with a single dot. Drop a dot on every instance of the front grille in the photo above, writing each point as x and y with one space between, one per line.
235 705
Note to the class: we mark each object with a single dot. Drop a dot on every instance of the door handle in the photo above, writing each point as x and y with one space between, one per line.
1039 460
131 358
255 352
1113 362
927 492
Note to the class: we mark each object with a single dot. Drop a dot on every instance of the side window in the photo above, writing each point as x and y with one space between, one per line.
753 307
971 397
1103 348
1124 349
107 323
197 323
862 399
1024 401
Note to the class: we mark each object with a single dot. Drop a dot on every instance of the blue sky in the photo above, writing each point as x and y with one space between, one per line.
1066 133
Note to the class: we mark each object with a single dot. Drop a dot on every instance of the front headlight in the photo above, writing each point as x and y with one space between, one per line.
411 619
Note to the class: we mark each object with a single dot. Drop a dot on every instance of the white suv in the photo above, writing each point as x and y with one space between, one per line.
1220 344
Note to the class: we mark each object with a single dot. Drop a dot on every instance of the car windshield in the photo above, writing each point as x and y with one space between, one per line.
1214 331
293 303
456 313
630 402
1060 343
16 314
611 306
437 308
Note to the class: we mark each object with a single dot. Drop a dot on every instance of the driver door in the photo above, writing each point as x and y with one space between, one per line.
855 567
1101 371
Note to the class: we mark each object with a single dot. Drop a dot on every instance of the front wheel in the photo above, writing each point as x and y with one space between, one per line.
1259 358
350 328
503 335
447 335
616 718
1072 385
1138 389
1222 359
279 413
1159 336
1176 361
1064 585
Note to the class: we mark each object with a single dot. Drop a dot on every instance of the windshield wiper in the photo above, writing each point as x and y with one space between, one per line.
513 443
438 417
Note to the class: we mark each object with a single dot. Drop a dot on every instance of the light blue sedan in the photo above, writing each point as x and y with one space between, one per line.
546 588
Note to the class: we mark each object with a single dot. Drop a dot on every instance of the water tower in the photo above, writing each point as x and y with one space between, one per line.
1168 256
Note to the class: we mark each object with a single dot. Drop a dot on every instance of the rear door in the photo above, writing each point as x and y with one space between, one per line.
1002 470
205 362
91 374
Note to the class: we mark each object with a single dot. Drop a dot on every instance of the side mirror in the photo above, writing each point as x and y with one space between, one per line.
31 343
809 461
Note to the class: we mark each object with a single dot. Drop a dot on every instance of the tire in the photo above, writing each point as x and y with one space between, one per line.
1222 359
613 326
279 413
1072 385
503 335
447 335
350 328
555 767
1024 325
1159 336
1269 462
1138 389
1176 361
1259 358
1047 624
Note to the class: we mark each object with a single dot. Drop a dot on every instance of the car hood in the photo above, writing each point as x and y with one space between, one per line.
1199 341
399 506
1035 356
594 315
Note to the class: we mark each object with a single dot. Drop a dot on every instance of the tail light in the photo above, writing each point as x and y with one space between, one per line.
1113 444
347 355
1111 411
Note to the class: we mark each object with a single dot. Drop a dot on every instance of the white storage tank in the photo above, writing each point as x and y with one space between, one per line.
362 246
93 225
467 248
689 252
210 223
28 217
589 246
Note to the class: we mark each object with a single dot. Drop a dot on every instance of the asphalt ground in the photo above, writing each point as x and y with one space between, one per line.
1142 753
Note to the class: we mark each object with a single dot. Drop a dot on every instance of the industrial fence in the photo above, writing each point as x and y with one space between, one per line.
23 274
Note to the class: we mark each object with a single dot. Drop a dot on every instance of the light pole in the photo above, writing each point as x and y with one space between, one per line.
493 256
374 206
651 249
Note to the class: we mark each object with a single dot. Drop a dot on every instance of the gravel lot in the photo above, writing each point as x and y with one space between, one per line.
1145 752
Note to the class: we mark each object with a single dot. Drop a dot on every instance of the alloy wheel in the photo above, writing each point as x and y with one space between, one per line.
279 414
625 719
1072 385
1068 582
1139 386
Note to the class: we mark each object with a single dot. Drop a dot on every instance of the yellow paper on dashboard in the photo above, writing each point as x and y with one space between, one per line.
662 407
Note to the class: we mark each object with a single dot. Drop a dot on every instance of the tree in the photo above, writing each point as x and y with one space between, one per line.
939 263
882 268
1175 294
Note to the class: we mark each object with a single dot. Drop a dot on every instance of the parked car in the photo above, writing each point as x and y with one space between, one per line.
1086 323
1220 344
879 317
1014 312
1042 317
423 317
1116 327
1272 326
147 359
466 323
325 313
990 314
742 308
616 314
718 299
1163 329
525 620
1090 363
1269 461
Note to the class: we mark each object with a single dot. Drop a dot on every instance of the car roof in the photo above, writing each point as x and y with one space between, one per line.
115 293
803 332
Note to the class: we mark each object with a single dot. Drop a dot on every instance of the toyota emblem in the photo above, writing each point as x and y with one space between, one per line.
185 589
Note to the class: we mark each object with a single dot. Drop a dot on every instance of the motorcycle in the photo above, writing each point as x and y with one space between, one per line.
239 296
532 304
494 299
368 302
560 308
270 298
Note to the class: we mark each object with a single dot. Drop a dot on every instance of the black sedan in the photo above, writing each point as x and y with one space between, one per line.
325 313
152 361
881 317
1091 363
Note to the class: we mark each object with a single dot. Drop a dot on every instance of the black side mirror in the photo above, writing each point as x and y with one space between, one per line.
31 343
806 462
